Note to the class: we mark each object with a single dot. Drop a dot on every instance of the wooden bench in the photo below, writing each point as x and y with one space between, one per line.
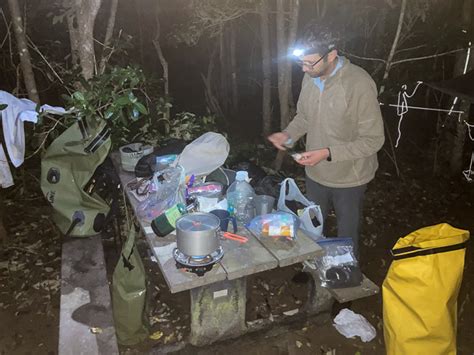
85 323
218 299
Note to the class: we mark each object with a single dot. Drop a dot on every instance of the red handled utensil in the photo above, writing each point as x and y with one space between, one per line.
236 237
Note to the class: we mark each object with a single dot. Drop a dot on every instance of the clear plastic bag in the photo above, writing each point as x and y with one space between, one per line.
169 185
164 161
338 266
279 224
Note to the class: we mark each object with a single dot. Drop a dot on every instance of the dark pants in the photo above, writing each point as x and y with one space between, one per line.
347 203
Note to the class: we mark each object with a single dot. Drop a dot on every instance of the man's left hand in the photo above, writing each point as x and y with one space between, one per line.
313 157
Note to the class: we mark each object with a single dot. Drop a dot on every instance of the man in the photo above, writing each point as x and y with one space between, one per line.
338 111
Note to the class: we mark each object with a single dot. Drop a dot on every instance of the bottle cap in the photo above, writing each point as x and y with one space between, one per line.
242 175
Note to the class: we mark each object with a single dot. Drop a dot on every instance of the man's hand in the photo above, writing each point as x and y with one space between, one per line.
313 157
278 139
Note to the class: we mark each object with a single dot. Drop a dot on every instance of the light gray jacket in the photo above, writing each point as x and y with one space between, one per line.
345 118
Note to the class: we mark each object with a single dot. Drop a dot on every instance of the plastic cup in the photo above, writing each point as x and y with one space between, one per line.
225 217
264 204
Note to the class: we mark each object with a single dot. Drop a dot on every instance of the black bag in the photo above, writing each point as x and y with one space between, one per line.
269 185
147 164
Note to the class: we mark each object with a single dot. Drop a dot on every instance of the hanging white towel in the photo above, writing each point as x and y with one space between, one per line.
13 116
6 179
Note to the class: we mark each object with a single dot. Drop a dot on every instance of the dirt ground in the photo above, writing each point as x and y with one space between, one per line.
30 271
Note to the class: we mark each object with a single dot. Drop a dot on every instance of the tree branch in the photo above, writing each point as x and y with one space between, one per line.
363 58
429 56
394 45
108 35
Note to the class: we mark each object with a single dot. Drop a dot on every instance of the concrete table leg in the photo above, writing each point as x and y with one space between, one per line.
218 311
319 298
85 299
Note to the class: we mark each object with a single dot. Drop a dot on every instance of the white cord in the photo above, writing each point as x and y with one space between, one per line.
402 107
468 173
422 108
469 126
468 55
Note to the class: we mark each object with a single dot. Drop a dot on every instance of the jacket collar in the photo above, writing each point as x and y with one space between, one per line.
333 78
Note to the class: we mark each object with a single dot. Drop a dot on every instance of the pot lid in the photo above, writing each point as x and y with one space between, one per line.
198 221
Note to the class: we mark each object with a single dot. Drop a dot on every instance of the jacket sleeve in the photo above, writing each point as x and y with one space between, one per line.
299 125
370 131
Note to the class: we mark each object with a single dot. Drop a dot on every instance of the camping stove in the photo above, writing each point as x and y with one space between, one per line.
197 264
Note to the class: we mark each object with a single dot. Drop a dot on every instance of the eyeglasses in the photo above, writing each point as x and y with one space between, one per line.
311 66
302 64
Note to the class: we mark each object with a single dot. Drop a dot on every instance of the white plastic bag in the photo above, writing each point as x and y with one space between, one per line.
204 154
310 210
351 324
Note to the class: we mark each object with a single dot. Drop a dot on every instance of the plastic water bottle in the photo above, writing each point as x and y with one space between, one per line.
240 197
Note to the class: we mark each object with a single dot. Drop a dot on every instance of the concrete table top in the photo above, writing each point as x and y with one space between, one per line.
240 259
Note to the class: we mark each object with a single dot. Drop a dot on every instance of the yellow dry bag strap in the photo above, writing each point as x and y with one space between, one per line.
409 252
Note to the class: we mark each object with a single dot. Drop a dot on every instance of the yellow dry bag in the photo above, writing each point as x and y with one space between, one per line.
421 289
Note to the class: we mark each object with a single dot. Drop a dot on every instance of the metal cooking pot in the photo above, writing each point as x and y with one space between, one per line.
197 234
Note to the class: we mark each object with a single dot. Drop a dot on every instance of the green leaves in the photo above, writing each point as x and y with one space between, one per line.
140 108
3 106
78 96
122 101
116 96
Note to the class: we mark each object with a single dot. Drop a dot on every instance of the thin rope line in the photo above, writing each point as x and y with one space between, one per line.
468 173
468 55
469 126
421 108
402 106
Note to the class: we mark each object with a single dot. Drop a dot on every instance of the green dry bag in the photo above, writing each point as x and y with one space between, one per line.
129 294
66 170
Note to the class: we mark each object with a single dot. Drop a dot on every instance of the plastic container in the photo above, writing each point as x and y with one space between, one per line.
264 204
240 196
131 153
208 189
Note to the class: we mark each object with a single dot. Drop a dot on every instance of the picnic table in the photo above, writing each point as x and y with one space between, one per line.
218 298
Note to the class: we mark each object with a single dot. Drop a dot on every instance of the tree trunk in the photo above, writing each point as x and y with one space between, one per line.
108 36
140 20
223 70
282 49
163 61
394 46
285 38
74 40
321 8
463 64
293 28
266 69
22 44
212 102
86 12
388 65
233 68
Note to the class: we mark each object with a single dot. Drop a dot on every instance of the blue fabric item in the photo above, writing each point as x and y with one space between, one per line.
320 83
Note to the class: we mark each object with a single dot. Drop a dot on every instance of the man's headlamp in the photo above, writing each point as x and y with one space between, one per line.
300 51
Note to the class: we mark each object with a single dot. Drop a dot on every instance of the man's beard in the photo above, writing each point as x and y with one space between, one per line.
316 74
326 69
